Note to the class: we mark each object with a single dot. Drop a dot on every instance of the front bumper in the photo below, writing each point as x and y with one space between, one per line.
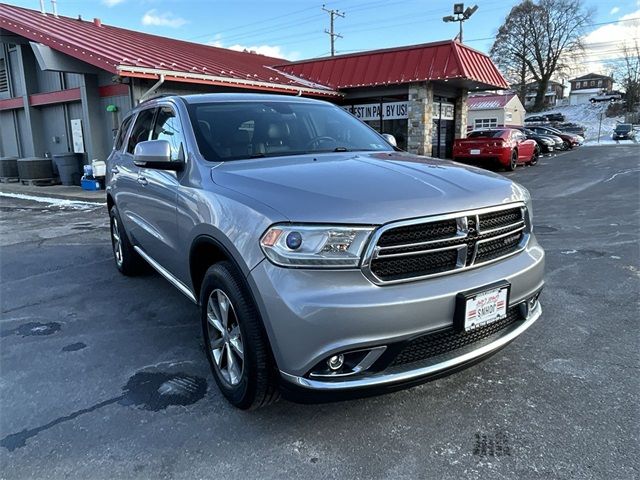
312 314
394 377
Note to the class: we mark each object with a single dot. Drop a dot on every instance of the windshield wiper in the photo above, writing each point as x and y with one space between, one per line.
257 155
341 149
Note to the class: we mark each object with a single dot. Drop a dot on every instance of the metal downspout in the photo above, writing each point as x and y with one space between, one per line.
152 90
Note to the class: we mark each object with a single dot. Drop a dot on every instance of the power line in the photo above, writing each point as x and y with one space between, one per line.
332 35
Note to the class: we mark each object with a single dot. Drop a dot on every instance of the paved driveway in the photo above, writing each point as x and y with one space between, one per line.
103 376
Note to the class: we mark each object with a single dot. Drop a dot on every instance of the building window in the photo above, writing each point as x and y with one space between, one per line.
508 116
577 85
485 123
599 83
593 83
4 82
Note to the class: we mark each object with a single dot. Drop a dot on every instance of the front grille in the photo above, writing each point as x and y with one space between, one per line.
450 339
425 248
497 248
503 218
418 233
398 268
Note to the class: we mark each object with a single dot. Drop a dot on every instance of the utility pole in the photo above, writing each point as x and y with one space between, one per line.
332 35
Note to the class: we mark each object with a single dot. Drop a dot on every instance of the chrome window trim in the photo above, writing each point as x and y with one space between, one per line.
372 250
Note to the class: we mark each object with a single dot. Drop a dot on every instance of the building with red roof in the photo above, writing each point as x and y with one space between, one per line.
56 69
488 111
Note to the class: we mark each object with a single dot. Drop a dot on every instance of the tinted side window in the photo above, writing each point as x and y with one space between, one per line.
141 129
168 127
122 133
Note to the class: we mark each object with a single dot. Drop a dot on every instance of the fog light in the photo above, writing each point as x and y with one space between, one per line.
335 362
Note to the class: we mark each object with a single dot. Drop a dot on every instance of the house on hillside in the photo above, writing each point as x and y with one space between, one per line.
487 111
587 86
553 95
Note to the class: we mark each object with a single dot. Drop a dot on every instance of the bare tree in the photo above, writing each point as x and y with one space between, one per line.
510 50
626 71
541 36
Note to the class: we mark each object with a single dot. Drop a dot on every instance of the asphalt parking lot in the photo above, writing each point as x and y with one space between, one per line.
103 376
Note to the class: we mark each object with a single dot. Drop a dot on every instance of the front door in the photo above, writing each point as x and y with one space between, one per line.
156 204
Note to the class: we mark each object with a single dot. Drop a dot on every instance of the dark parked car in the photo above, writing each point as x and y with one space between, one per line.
623 131
569 140
546 144
572 128
536 119
555 117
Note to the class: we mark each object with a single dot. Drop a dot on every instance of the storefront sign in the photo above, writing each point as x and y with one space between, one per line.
446 109
371 111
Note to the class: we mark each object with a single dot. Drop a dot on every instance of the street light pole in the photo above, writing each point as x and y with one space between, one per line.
460 15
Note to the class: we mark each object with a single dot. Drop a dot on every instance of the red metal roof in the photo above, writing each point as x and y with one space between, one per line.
489 102
446 60
135 54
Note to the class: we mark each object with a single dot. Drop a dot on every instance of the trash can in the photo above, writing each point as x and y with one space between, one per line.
69 167
9 169
36 171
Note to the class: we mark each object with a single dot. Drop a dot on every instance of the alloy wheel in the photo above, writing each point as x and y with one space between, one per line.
225 339
116 241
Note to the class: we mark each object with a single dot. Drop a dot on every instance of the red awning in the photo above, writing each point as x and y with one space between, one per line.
448 60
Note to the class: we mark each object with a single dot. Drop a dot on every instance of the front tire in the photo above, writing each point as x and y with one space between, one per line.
534 156
128 262
235 342
513 163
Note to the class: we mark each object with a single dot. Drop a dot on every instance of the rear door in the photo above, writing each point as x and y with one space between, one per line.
158 191
128 199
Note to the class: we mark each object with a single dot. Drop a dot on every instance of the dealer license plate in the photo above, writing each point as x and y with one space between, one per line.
474 151
485 307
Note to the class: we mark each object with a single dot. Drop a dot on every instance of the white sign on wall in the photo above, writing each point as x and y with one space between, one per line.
446 109
371 111
76 135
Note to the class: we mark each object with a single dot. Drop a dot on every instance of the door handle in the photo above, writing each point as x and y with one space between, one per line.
142 180
115 170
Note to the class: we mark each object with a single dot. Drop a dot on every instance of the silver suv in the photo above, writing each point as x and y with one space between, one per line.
326 262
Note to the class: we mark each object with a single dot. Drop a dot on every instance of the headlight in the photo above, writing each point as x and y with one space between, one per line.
321 246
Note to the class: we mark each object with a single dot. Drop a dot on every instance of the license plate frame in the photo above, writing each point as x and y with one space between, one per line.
468 300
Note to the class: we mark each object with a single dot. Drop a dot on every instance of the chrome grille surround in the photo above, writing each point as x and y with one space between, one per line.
469 239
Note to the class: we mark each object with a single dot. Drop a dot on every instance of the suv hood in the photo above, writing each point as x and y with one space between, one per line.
364 188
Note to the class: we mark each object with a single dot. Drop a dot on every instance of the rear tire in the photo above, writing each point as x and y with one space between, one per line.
128 262
513 163
236 344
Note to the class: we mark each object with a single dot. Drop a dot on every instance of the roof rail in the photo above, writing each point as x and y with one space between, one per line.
156 96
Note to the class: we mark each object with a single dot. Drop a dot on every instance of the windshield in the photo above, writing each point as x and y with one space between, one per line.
486 134
623 128
240 130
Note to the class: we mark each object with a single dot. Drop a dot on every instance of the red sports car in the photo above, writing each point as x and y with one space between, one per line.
507 146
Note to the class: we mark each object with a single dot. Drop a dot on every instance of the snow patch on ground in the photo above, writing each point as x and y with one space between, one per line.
589 115
55 202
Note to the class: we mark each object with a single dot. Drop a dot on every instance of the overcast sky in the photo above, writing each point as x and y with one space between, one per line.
294 29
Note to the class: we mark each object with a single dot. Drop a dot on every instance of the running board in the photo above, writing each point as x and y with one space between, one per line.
166 274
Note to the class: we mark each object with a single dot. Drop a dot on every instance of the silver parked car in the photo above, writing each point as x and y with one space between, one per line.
326 262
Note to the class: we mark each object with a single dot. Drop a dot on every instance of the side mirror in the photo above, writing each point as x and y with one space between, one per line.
391 140
155 154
